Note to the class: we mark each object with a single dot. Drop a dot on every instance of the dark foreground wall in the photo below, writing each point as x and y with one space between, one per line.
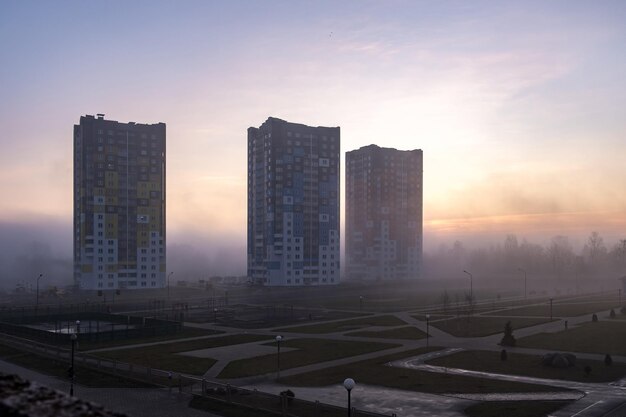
21 398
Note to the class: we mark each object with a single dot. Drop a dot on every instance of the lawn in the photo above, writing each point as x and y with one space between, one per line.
309 351
407 332
377 372
83 376
560 309
514 408
186 332
606 336
530 365
228 409
477 326
345 325
242 403
164 356
422 317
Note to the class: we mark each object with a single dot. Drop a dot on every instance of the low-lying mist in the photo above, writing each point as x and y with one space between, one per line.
30 249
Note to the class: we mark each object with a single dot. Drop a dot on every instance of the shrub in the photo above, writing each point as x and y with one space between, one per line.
508 339
558 360
288 395
608 360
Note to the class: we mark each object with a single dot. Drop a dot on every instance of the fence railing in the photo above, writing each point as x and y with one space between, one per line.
200 388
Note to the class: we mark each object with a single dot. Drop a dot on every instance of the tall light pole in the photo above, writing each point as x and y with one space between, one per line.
360 302
348 384
551 309
168 286
524 280
471 285
37 302
427 328
77 326
278 339
71 372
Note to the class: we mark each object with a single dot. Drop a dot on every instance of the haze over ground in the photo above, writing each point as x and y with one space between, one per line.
519 108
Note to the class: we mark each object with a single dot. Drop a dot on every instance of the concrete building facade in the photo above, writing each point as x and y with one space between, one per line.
293 204
384 213
119 204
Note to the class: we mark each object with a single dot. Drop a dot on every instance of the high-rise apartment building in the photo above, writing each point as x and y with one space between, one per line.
293 204
119 204
383 213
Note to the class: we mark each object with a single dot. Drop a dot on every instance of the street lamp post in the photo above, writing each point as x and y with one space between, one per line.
278 339
471 285
71 370
37 301
360 302
77 326
215 315
525 287
427 328
551 309
168 286
348 384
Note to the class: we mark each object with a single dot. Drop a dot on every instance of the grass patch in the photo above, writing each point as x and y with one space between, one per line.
376 372
84 376
309 351
563 309
478 326
514 408
244 403
408 333
603 337
530 365
345 325
422 317
186 332
228 409
164 356
8 351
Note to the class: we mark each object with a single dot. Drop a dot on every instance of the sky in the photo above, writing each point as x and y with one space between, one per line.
519 107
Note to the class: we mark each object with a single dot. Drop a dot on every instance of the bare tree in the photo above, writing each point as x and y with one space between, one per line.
511 250
618 254
561 254
594 251
445 300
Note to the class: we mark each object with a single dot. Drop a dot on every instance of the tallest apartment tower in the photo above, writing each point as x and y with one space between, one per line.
293 204
119 204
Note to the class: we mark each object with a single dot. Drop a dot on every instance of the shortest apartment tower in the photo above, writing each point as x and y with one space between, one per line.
293 204
383 213
119 204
